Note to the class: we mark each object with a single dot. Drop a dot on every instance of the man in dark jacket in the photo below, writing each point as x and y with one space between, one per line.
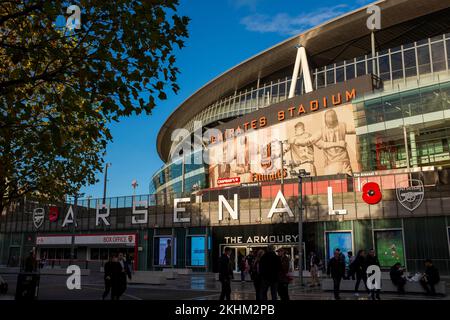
371 260
397 277
360 268
270 267
107 276
225 274
430 278
336 268
283 279
125 271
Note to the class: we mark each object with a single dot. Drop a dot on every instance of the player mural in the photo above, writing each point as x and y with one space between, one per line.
322 143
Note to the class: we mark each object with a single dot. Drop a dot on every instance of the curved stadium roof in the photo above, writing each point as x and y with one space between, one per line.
342 38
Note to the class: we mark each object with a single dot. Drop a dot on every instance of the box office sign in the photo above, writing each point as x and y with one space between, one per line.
108 240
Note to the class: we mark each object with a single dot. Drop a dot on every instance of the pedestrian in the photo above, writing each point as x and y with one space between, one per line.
107 276
256 274
124 272
360 268
372 259
313 263
283 279
397 277
30 262
336 268
270 266
168 253
225 274
349 269
115 273
430 278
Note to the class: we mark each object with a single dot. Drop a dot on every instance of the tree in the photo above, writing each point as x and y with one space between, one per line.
60 88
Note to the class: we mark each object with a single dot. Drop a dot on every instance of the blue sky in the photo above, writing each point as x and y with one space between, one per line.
222 34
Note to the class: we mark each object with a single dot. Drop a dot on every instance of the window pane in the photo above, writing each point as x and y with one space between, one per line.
397 66
384 68
330 77
320 80
423 55
361 68
448 50
437 51
350 71
339 75
410 63
392 108
431 99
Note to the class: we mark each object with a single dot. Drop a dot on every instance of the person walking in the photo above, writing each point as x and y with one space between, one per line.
256 274
270 267
225 274
372 259
30 262
125 272
430 278
115 271
360 268
350 272
107 276
283 279
397 277
313 264
336 268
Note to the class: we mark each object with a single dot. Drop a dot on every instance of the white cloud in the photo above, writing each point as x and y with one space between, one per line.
286 24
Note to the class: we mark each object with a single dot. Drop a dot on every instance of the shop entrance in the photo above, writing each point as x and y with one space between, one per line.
240 252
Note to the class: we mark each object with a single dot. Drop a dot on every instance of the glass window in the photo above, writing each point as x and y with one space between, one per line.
397 66
104 254
384 68
392 107
350 71
374 111
448 51
410 62
411 104
330 77
339 75
431 99
423 55
320 80
360 68
438 55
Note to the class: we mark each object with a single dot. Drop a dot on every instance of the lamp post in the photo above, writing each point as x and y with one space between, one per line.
105 180
300 174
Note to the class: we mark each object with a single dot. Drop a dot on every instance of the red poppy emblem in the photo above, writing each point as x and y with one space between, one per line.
53 213
371 193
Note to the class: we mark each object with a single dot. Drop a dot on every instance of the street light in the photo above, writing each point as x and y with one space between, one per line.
108 164
300 174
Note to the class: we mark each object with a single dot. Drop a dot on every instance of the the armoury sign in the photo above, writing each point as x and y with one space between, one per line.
411 195
262 239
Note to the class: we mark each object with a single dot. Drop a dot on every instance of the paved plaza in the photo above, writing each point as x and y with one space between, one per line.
198 286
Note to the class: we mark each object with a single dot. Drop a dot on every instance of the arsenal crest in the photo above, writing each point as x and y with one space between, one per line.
38 217
412 196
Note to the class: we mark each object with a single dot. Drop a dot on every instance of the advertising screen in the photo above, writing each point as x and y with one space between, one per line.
389 247
322 143
165 251
341 240
198 251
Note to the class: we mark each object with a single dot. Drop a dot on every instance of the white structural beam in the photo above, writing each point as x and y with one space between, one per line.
301 61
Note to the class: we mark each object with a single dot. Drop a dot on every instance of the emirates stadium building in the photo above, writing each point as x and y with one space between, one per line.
342 128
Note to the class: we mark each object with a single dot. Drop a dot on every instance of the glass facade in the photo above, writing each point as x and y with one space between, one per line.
421 115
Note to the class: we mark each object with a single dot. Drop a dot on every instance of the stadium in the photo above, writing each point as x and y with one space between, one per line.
343 127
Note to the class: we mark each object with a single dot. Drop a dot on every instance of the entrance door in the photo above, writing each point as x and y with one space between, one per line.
237 255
